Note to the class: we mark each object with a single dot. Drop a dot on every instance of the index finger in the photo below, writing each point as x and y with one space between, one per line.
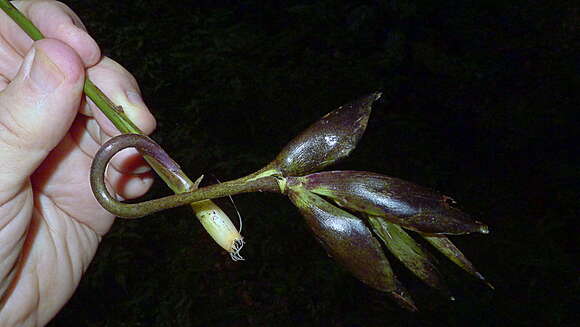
55 20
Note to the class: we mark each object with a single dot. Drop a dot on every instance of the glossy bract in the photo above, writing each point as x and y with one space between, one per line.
404 203
346 238
328 140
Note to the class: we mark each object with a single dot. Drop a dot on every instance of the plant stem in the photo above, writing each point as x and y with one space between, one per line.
176 180
219 224
113 112
234 187
21 20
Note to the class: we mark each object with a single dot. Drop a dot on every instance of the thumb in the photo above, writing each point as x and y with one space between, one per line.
37 108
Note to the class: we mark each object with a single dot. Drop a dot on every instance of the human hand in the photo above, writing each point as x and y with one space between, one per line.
50 223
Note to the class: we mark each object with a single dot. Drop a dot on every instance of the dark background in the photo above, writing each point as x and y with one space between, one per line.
479 101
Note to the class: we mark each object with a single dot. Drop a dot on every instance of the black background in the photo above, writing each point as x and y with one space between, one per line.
479 103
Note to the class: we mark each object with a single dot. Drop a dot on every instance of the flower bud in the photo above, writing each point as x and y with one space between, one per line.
403 203
328 140
345 238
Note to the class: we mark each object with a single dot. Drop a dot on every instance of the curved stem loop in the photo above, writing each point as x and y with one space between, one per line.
147 146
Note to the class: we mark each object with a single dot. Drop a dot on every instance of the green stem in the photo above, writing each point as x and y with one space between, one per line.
115 113
21 20
229 188
262 180
176 180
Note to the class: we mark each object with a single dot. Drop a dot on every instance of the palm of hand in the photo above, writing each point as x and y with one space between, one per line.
65 225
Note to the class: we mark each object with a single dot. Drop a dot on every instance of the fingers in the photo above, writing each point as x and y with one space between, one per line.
54 20
133 185
129 175
37 108
127 171
10 61
57 21
120 86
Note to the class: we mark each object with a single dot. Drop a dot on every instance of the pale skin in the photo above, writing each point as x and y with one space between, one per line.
50 222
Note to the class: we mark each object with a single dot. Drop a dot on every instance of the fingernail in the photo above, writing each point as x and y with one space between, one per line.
44 73
135 98
78 22
141 170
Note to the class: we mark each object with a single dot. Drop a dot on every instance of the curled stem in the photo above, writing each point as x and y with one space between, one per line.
147 146
176 179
